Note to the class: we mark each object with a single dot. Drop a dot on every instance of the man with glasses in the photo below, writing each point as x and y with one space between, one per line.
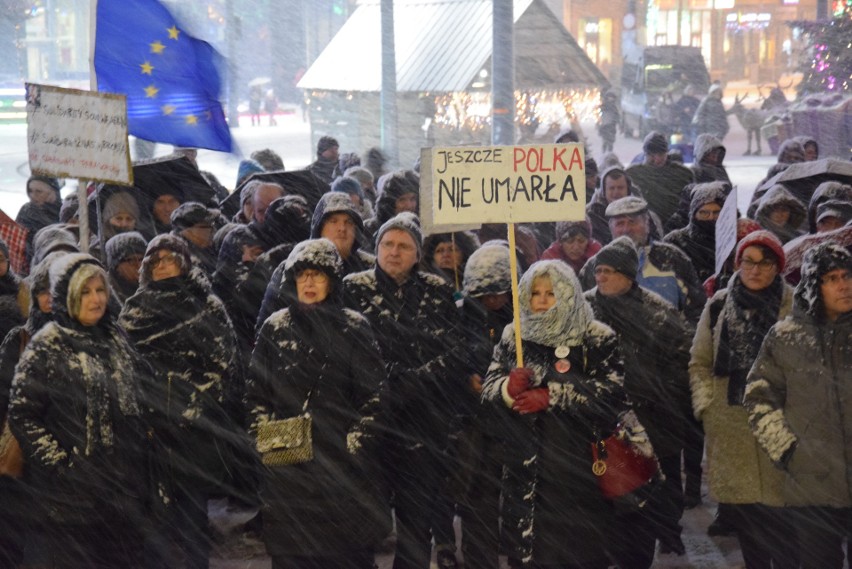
698 239
414 318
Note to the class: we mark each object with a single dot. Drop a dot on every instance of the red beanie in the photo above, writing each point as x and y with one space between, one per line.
766 239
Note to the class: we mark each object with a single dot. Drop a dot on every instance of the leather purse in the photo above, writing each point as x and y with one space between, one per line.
626 472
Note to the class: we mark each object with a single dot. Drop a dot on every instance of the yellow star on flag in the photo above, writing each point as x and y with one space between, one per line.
151 91
168 109
157 47
191 119
147 68
173 33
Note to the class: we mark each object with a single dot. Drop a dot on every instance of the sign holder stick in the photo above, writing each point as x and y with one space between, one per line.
516 306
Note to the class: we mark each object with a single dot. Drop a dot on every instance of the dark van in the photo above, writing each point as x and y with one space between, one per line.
649 72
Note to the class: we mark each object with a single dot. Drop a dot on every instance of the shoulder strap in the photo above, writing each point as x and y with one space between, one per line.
25 339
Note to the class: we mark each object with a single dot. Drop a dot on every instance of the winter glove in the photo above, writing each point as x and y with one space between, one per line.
519 381
532 401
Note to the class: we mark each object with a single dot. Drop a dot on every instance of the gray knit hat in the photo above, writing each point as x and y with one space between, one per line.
406 221
655 143
621 255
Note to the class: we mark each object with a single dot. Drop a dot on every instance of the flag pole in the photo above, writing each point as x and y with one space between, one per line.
82 185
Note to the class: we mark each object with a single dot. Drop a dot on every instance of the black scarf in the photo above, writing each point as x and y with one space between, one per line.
746 318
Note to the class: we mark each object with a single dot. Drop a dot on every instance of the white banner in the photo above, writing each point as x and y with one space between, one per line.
78 134
726 230
506 184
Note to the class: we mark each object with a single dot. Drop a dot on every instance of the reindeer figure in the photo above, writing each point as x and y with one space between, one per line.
751 120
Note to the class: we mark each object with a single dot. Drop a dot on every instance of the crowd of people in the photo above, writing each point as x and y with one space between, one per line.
317 358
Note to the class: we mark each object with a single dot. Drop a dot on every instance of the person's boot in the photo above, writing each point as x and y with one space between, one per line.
722 524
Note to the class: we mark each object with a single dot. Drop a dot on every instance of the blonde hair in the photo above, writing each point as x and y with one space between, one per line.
78 280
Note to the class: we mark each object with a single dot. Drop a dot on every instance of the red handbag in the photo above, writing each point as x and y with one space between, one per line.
620 467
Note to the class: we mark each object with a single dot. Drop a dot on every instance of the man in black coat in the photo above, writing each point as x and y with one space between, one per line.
415 320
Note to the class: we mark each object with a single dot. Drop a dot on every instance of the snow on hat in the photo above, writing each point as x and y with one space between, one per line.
572 228
246 168
745 226
171 243
121 202
68 274
405 221
621 255
349 186
834 208
655 143
708 192
50 239
765 239
822 259
122 246
192 213
331 203
325 143
319 254
488 271
628 205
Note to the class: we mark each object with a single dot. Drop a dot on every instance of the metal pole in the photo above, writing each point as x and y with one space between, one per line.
502 74
388 98
233 31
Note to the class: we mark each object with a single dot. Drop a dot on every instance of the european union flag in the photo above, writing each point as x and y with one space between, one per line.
169 77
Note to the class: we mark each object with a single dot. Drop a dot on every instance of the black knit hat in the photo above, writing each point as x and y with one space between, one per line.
325 143
621 255
192 213
655 143
121 246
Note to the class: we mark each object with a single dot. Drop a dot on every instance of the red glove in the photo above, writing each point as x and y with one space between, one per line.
519 381
532 401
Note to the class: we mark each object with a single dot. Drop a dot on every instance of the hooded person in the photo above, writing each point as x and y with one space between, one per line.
833 214
41 210
14 302
711 116
709 154
446 254
791 152
574 244
76 409
548 414
614 184
124 253
287 223
655 345
661 179
729 336
397 192
326 511
698 239
51 239
183 332
830 190
781 213
798 410
21 514
809 145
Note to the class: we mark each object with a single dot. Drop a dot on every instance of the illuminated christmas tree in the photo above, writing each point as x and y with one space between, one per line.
826 65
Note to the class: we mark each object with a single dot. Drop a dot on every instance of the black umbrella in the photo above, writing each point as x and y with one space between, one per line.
176 175
300 182
803 178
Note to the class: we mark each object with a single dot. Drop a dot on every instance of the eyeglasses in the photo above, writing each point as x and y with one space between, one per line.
318 277
762 265
604 271
168 258
836 279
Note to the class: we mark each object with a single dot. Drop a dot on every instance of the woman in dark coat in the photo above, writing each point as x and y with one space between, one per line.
446 254
42 209
76 409
698 239
325 512
183 332
549 414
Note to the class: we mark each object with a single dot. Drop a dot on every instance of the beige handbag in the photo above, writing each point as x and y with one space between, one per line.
11 456
286 441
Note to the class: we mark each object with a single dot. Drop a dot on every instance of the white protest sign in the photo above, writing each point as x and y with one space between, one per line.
726 230
426 225
78 134
507 184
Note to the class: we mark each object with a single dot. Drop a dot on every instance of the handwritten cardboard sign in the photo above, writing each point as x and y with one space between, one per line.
726 230
506 184
78 134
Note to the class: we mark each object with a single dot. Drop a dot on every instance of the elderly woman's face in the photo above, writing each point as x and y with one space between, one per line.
40 193
93 301
312 286
447 256
164 265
